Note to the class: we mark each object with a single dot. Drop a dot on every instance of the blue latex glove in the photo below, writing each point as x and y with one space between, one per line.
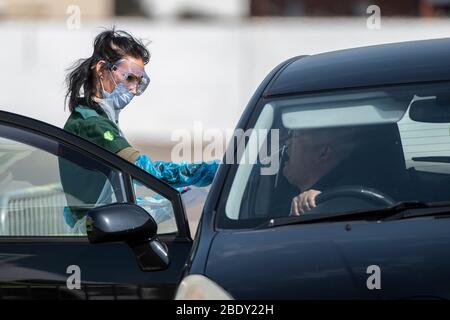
180 175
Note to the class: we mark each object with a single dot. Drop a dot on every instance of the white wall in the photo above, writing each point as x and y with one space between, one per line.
198 71
214 8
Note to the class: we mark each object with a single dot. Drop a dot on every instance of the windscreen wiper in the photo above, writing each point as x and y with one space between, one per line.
400 210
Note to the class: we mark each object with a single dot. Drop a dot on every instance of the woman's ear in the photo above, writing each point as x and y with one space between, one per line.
99 75
100 68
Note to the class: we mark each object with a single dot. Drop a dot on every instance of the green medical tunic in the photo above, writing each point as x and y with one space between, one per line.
83 186
97 128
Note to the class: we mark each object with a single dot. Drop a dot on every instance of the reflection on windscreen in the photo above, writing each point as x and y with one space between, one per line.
362 149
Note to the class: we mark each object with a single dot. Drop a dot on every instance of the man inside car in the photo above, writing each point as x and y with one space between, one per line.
317 159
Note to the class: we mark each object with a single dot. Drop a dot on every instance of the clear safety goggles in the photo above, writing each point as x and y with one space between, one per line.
131 75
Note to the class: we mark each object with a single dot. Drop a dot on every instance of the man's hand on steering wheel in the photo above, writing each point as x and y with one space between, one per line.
304 201
309 199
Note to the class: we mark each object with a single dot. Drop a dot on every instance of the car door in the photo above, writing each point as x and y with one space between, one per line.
44 250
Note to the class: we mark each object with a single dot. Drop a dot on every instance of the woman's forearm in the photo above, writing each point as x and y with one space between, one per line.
180 174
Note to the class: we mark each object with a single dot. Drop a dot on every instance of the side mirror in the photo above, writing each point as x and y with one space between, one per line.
129 223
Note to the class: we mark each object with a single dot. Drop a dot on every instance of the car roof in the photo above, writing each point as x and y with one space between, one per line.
396 63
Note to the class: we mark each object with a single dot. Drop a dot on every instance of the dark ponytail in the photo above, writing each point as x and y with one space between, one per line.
111 46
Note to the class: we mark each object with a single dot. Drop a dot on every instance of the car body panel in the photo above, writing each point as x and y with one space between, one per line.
330 260
38 270
387 64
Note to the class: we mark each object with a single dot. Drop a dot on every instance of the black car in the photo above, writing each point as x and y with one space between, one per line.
367 128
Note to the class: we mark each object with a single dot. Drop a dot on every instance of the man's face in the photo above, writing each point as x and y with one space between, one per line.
303 164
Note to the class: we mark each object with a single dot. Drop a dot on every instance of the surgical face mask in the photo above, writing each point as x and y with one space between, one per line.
119 98
112 103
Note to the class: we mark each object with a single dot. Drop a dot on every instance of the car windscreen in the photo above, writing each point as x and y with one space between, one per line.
361 149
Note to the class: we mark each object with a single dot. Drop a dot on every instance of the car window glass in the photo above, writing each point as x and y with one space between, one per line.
47 188
361 142
426 145
159 207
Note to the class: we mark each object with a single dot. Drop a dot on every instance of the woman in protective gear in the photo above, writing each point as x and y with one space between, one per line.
99 88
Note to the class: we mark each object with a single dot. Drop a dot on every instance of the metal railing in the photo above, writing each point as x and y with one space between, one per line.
34 211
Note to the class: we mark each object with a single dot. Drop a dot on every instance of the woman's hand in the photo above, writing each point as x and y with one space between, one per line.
303 202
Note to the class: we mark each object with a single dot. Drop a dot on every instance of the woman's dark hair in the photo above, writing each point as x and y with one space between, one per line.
111 46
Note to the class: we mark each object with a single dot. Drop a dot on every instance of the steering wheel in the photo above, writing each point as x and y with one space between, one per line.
360 192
